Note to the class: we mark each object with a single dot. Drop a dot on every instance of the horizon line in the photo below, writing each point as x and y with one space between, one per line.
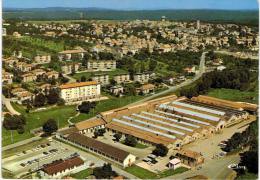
133 9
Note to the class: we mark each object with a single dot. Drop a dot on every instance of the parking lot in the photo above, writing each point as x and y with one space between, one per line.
34 158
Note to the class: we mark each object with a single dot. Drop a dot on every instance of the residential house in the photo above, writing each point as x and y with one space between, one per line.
7 78
28 77
117 90
42 59
145 89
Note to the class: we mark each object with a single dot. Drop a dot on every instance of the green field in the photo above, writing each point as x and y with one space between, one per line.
145 174
89 74
247 176
36 119
234 95
82 174
61 114
105 105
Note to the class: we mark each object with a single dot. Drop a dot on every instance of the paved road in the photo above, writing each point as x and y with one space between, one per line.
214 169
202 69
20 143
8 105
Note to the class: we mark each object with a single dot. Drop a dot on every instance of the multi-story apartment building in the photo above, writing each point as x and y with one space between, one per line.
42 59
122 78
101 65
68 54
142 77
77 92
103 79
67 69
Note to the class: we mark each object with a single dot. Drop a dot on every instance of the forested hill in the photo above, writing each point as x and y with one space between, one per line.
242 16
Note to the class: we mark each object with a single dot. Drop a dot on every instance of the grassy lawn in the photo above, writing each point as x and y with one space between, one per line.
145 174
234 95
61 115
247 176
36 119
171 172
82 174
141 172
105 105
89 74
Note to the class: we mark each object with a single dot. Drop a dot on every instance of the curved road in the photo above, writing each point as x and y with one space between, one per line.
202 69
8 105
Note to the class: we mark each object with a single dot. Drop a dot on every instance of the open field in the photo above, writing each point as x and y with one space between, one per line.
61 114
234 95
89 74
145 174
82 174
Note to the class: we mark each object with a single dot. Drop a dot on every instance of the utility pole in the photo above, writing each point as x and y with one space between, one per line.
12 140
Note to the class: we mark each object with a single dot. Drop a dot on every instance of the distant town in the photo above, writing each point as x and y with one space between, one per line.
140 99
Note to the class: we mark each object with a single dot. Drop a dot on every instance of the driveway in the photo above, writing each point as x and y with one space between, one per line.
9 106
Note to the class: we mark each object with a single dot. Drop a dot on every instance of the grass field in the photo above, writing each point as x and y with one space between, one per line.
145 174
82 174
61 114
247 176
234 95
36 119
89 74
111 103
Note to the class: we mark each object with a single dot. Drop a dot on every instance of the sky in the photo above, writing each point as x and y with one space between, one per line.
136 4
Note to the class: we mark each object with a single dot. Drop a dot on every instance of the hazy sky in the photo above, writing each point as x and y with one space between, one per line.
136 4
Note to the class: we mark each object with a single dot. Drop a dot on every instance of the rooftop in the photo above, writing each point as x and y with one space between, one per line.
80 84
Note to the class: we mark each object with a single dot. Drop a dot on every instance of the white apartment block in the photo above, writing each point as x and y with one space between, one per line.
103 79
142 77
77 92
122 78
101 65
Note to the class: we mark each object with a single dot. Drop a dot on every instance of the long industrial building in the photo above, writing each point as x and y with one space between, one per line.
172 121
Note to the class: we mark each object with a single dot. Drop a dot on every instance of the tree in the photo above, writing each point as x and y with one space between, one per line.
117 136
112 82
50 126
83 79
152 65
14 122
130 141
99 132
39 100
53 96
86 106
104 172
160 150
250 160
